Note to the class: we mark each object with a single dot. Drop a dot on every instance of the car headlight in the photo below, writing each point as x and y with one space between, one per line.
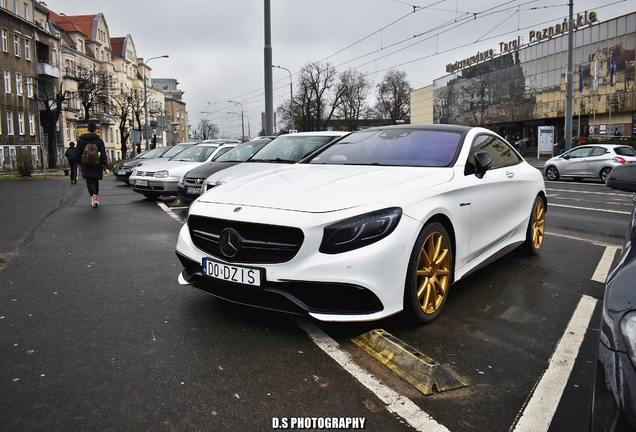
134 172
161 174
182 179
359 231
628 329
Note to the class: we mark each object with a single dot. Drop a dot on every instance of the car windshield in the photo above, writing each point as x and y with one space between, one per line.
393 147
174 151
197 153
241 153
625 151
153 154
290 148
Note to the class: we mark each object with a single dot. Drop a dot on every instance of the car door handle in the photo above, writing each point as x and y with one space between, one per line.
510 174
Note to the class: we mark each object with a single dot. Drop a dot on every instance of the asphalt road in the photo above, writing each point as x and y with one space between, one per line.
96 334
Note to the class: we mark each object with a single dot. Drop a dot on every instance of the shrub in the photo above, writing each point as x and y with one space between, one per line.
24 160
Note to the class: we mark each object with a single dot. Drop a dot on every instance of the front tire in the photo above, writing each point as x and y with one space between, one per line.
536 227
429 274
552 173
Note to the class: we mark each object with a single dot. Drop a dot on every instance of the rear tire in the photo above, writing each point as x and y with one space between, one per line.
605 172
536 227
429 274
552 173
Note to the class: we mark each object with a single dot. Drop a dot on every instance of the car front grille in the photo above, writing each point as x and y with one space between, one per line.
265 244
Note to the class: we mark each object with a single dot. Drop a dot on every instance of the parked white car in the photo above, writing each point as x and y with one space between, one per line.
281 151
589 161
381 221
161 178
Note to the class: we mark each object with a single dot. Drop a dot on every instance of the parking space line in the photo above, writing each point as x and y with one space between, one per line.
599 243
604 265
395 402
539 411
590 208
172 214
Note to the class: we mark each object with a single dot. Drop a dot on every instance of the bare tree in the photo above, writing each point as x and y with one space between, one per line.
93 88
355 88
394 96
318 96
120 110
207 129
51 101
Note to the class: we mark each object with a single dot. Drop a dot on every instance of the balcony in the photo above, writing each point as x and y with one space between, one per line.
47 69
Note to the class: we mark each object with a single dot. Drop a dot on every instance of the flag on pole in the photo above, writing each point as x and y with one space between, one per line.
566 77
596 75
612 70
581 76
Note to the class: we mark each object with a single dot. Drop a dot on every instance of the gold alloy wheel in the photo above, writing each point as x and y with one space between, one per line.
433 272
538 224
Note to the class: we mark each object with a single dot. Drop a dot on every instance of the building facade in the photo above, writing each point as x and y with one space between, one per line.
176 124
524 85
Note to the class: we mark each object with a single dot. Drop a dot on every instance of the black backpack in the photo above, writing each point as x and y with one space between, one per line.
91 155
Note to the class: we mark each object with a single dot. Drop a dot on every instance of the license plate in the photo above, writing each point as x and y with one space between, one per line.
141 182
122 172
236 274
193 190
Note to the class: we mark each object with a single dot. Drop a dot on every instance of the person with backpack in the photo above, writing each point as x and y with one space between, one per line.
91 154
72 161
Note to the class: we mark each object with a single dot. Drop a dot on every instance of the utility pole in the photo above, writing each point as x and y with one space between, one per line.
568 81
269 85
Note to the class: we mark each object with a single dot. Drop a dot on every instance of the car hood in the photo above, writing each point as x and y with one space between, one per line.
209 168
174 168
325 188
242 170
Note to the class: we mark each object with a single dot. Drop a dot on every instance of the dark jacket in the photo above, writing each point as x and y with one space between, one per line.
70 155
91 171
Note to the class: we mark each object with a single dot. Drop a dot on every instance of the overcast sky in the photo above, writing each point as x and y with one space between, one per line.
216 48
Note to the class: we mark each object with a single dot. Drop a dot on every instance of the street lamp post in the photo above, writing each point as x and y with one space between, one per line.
146 97
249 134
242 122
291 96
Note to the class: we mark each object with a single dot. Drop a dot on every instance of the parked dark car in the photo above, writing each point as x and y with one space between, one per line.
123 169
190 185
614 406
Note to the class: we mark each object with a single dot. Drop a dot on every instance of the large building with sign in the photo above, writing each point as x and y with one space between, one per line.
514 88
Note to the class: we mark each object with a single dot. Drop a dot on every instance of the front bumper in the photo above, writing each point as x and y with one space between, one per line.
166 186
365 284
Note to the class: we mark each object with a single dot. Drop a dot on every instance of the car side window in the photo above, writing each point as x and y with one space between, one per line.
580 152
502 153
599 151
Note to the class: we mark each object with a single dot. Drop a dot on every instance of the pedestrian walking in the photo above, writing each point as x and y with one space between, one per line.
72 161
93 161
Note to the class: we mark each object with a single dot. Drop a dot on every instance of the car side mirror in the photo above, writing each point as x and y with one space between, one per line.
623 178
566 156
483 162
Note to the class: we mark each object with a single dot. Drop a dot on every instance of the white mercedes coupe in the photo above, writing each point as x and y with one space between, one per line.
381 221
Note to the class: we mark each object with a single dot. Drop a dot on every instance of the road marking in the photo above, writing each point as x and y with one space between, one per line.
599 243
395 402
172 214
590 208
604 265
627 195
539 411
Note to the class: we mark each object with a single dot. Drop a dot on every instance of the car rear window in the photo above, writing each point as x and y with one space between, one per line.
625 151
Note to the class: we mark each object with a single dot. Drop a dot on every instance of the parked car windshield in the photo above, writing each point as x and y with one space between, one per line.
175 151
290 148
393 147
242 152
153 154
197 153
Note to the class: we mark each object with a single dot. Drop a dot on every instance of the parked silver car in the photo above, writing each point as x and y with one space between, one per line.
589 161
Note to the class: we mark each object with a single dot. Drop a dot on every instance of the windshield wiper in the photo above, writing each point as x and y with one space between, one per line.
277 160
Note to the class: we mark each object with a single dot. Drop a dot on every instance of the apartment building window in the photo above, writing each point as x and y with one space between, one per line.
29 87
18 84
20 123
5 40
26 11
15 7
3 4
80 45
7 82
16 45
68 131
32 124
9 122
27 49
